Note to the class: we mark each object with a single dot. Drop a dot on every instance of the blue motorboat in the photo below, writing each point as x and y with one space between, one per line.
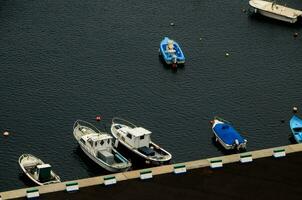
296 127
227 136
171 52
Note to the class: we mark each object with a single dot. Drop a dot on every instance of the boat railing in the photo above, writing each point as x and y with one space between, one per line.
87 124
115 120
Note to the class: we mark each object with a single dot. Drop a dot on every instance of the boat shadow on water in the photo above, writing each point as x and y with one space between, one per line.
223 150
169 67
292 139
27 182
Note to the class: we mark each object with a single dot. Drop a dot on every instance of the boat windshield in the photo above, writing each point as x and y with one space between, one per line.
299 129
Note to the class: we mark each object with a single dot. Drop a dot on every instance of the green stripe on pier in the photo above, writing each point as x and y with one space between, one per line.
71 184
215 161
279 150
32 190
245 155
145 172
109 177
179 166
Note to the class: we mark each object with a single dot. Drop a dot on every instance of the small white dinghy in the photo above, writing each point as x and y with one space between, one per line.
38 171
98 147
138 141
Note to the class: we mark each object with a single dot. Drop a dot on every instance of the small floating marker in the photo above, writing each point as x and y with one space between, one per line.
245 158
146 174
243 10
172 24
200 38
215 164
109 180
278 153
98 118
32 193
72 186
295 109
227 54
6 133
212 122
180 169
296 34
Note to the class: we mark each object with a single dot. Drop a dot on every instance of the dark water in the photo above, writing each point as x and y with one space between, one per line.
67 60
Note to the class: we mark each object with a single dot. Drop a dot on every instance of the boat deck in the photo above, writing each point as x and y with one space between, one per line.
275 8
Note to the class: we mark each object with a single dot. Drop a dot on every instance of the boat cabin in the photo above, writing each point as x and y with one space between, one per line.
44 172
136 137
98 142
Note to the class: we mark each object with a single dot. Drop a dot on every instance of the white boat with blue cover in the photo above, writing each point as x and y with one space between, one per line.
98 146
227 136
296 127
171 52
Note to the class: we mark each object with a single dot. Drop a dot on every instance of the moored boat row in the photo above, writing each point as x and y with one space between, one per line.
102 147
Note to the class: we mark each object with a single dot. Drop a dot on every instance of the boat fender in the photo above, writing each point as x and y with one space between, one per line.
98 118
116 143
6 133
236 142
295 109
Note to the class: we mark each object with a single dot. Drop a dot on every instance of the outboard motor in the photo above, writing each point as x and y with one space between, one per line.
174 65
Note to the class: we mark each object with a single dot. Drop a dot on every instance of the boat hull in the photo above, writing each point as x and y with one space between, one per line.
139 155
102 164
30 176
91 152
275 16
178 59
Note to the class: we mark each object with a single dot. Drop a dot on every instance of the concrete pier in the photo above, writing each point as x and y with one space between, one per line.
195 169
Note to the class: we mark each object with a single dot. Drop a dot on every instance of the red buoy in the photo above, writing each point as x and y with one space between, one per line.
98 118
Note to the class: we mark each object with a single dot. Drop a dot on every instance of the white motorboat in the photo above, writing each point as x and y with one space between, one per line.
138 140
98 146
275 11
38 171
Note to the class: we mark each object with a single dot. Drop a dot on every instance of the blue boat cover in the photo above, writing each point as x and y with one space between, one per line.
228 134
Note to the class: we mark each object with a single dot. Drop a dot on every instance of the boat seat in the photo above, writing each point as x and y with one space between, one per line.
29 164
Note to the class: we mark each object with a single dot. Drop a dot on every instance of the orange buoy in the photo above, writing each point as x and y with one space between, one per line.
98 118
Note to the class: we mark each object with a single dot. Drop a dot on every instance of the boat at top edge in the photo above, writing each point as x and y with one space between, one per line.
275 11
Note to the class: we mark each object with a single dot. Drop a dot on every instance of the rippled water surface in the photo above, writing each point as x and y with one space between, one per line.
66 60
